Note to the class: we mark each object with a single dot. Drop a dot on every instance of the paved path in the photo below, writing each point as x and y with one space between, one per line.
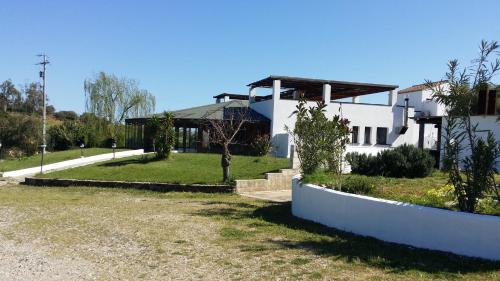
274 196
21 174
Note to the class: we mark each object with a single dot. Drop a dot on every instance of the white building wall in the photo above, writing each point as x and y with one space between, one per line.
423 103
486 124
362 115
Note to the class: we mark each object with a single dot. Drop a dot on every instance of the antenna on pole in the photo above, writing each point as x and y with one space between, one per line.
43 63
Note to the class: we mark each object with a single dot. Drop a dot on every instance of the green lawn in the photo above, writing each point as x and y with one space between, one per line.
109 234
180 168
50 157
426 191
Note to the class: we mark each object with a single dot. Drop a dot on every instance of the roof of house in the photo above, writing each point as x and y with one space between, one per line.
210 111
215 111
420 87
340 89
232 96
237 96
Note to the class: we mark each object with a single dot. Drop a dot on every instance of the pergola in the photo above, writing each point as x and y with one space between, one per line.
316 89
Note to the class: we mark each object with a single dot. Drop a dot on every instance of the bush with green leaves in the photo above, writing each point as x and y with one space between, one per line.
356 184
359 184
163 134
319 141
469 158
59 137
405 161
20 131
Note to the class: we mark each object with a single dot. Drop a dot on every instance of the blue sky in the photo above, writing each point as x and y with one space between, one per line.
185 52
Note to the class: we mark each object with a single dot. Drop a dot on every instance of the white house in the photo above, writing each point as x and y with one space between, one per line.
410 116
375 126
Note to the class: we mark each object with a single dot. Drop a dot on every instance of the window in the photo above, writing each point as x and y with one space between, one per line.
355 134
381 135
368 135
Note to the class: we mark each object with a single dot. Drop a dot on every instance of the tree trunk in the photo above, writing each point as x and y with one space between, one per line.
225 162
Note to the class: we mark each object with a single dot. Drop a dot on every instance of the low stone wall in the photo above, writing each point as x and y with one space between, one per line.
424 227
163 187
273 181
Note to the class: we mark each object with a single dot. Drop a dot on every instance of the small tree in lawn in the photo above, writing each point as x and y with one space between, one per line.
469 159
162 134
224 131
319 141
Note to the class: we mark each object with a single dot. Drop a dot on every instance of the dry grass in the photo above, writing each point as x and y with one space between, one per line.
102 234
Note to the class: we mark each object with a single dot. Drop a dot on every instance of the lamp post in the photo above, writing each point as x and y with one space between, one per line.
113 146
1 151
82 145
42 147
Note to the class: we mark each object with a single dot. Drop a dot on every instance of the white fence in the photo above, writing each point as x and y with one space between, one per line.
430 228
71 163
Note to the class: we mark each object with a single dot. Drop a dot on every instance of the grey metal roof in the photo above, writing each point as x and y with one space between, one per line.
211 111
219 111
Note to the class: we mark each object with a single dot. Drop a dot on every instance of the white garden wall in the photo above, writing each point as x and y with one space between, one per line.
457 232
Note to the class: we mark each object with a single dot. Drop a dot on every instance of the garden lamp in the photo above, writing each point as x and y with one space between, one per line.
0 150
113 146
82 145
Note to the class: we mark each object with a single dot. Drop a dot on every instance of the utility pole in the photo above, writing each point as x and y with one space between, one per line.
43 63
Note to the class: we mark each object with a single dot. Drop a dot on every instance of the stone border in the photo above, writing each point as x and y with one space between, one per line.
162 187
466 234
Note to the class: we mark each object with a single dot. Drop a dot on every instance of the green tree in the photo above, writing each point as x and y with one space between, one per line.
10 97
20 131
224 130
469 159
114 99
33 101
319 141
163 134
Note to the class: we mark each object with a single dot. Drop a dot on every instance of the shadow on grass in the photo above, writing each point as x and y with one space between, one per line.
120 163
335 244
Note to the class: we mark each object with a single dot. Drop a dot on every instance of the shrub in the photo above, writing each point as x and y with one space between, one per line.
59 137
359 184
261 145
403 161
363 164
319 141
67 135
21 131
163 134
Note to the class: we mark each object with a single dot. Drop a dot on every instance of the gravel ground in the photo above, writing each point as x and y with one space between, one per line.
109 234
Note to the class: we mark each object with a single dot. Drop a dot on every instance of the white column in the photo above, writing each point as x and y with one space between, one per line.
276 89
276 99
251 94
355 99
392 97
327 93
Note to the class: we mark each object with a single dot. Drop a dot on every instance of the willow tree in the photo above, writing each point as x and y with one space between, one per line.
114 99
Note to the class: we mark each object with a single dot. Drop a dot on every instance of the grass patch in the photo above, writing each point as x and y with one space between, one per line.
142 234
429 191
184 168
49 158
